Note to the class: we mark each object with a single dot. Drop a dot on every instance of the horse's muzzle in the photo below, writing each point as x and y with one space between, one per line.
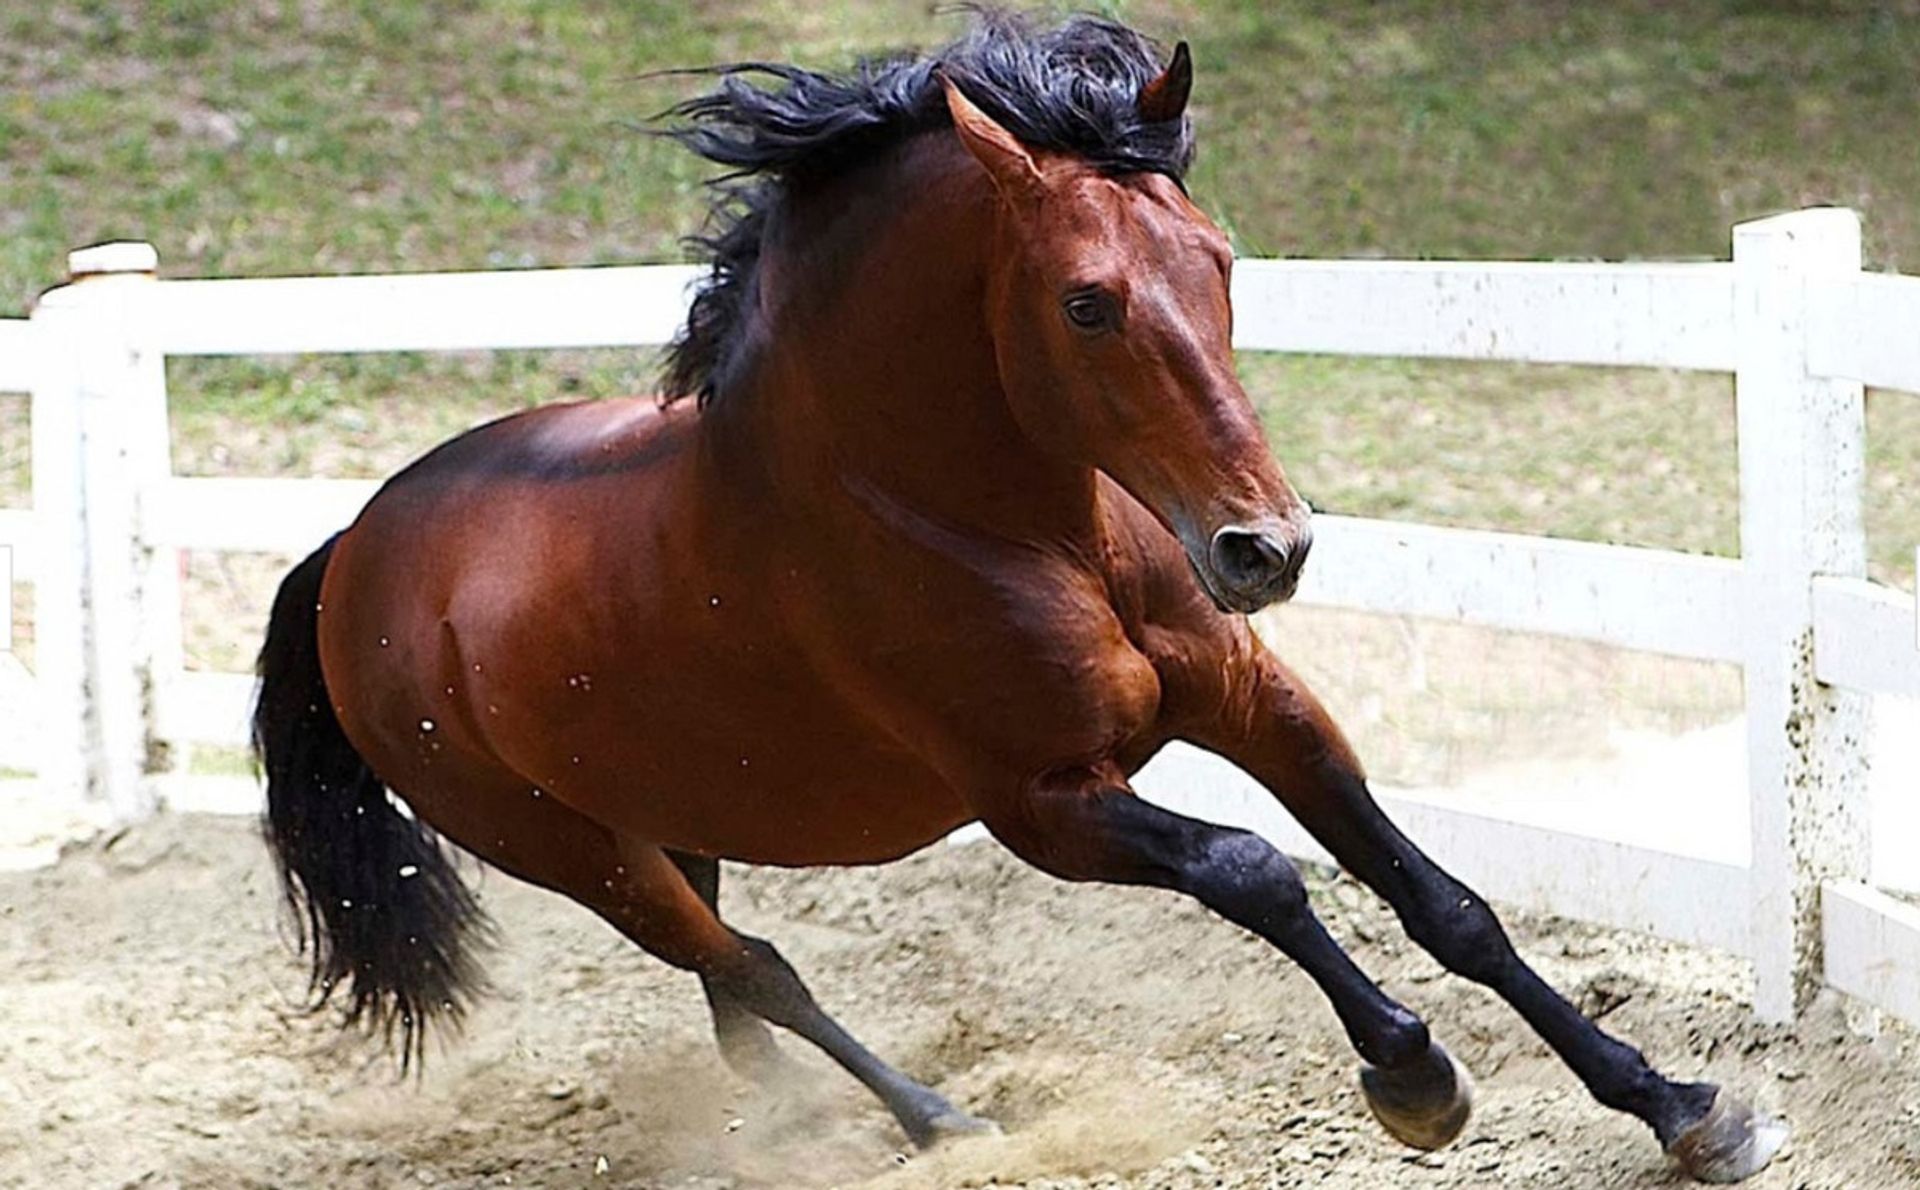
1258 564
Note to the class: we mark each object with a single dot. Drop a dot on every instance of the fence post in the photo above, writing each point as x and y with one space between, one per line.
67 772
1801 465
112 381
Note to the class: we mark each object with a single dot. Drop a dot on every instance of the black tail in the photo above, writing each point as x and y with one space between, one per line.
369 884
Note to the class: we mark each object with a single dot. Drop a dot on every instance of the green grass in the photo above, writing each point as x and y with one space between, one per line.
1554 129
281 137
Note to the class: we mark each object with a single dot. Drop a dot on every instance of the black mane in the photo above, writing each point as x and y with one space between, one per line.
1072 88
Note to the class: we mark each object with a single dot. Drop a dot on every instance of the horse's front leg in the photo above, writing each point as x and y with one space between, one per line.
1274 728
1086 824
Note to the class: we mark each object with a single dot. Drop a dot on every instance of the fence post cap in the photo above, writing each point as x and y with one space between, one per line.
117 257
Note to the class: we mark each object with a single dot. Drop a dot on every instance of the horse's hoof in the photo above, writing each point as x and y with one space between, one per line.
1731 1143
951 1125
1425 1107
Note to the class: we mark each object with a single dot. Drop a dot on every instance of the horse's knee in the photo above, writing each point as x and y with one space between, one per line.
1245 878
1244 875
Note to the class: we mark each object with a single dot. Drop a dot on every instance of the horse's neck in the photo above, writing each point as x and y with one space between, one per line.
877 371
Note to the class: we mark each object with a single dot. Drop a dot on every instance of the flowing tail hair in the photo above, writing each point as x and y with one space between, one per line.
368 885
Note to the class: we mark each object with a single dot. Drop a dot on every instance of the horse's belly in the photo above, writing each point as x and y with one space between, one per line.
766 785
753 777
707 733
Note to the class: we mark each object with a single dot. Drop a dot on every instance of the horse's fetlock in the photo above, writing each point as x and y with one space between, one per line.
1632 1084
1401 1042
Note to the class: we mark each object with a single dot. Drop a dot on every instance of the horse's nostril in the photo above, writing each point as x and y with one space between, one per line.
1257 564
1247 559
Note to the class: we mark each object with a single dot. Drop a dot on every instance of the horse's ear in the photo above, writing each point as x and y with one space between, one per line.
1165 98
1005 159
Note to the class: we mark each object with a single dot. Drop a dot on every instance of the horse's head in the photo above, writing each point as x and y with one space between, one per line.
1107 301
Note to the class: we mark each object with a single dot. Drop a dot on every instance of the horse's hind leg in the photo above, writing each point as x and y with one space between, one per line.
1294 749
654 904
745 1041
642 893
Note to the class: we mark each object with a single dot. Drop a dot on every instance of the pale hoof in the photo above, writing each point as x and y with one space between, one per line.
952 1125
1731 1143
1426 1108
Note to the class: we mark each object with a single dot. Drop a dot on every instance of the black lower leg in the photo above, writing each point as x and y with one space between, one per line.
745 1041
1456 926
764 983
1111 835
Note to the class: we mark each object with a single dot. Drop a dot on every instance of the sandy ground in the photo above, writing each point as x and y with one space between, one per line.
151 1034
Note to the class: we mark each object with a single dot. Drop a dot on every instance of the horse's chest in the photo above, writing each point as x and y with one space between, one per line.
1035 670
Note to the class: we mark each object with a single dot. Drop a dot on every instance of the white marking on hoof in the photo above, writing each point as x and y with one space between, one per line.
951 1125
1731 1143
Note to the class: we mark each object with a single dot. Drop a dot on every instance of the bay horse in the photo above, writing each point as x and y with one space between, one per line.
962 524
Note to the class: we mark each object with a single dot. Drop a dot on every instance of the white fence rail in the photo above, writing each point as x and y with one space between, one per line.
1653 315
1791 317
535 308
1683 605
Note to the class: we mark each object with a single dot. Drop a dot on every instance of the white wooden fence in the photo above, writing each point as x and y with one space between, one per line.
1792 317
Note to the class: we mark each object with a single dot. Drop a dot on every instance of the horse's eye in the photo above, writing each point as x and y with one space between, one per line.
1089 311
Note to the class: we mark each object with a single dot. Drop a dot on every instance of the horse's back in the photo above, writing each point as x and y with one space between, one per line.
515 506
553 445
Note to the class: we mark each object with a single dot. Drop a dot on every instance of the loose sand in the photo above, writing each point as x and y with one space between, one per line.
151 1034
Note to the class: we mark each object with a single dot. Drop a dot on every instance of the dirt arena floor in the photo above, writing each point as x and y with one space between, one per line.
151 1034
